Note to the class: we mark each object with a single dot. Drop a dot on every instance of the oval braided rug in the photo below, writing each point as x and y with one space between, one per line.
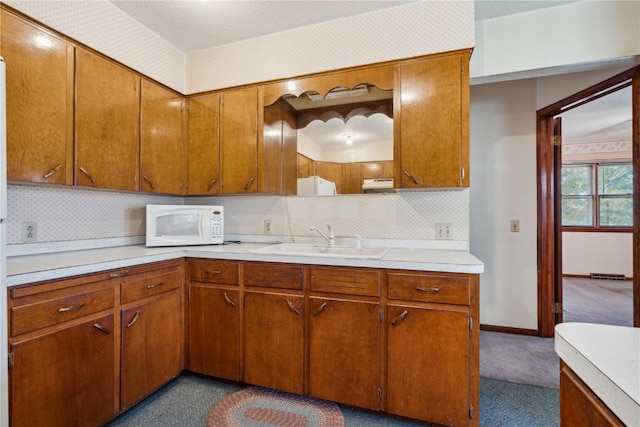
263 407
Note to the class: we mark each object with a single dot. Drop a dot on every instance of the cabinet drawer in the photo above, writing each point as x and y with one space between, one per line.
149 284
213 271
429 288
345 281
31 317
273 275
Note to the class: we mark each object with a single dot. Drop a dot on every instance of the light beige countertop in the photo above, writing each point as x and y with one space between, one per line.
607 359
49 266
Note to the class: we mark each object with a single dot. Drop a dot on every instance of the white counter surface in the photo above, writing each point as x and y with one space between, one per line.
34 268
607 359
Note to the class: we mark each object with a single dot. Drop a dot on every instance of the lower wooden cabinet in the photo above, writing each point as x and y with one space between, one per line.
344 351
428 362
214 331
151 348
579 406
65 377
83 349
273 340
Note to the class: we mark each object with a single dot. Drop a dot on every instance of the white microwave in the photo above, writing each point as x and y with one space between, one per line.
176 225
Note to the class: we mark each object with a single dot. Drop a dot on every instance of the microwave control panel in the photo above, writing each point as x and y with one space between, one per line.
217 225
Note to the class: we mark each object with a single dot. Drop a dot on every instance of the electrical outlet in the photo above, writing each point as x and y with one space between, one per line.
514 226
29 232
443 231
267 226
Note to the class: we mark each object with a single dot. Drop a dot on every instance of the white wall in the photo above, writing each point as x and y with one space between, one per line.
558 37
586 253
503 187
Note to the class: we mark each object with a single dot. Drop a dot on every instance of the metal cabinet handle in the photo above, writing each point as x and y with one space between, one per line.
88 175
248 184
213 181
134 320
101 328
213 271
71 308
229 300
156 285
148 182
319 309
120 274
430 290
416 180
53 171
293 307
399 318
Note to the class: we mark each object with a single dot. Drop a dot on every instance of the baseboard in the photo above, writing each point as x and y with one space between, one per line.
586 276
509 330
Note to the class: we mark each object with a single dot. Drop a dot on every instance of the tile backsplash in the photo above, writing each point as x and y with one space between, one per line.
69 214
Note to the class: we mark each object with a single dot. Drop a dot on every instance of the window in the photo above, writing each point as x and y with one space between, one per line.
597 195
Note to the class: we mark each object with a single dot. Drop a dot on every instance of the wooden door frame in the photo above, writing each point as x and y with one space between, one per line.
547 218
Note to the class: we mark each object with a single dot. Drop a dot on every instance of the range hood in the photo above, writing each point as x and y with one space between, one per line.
379 185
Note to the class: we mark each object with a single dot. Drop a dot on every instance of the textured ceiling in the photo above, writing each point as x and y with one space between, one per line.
196 25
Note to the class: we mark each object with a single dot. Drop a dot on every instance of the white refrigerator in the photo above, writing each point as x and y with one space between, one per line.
315 186
4 336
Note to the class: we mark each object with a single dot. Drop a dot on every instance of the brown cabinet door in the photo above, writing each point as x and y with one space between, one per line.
214 331
151 347
161 140
107 124
65 378
39 103
579 406
428 364
239 141
433 138
344 359
332 172
273 341
204 145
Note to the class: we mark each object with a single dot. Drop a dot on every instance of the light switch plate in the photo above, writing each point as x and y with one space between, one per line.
514 226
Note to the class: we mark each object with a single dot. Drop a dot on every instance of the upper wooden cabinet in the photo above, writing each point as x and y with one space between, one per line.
161 139
203 156
39 103
107 124
239 141
431 147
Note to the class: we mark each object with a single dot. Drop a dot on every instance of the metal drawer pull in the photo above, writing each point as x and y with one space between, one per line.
416 180
227 299
319 309
134 320
400 318
88 175
213 181
115 275
53 171
71 308
248 184
155 286
148 182
213 272
430 290
101 328
293 307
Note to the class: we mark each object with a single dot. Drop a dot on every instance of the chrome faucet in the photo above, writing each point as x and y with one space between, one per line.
331 238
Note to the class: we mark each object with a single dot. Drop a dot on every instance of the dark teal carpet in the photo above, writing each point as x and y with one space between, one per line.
187 400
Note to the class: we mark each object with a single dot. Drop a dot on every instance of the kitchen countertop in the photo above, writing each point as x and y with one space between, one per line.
34 268
607 359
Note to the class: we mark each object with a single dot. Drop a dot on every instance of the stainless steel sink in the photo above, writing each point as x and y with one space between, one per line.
324 251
